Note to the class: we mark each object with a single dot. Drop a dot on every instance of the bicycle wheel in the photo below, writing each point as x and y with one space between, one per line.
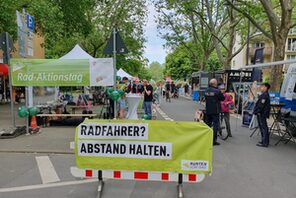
222 133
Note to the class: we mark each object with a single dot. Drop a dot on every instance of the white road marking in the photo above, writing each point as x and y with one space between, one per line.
163 114
72 145
46 169
40 186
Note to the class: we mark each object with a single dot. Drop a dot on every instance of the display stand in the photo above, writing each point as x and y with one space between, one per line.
133 103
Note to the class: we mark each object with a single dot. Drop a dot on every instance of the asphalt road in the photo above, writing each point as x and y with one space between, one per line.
240 169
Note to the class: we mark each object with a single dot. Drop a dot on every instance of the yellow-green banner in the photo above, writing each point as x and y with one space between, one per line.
183 147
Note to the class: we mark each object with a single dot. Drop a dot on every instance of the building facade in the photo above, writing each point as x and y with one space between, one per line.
260 41
18 92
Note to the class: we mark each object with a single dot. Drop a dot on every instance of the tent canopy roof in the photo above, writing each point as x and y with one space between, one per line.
77 53
123 73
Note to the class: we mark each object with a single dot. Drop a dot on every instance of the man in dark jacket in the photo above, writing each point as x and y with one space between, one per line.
262 110
213 107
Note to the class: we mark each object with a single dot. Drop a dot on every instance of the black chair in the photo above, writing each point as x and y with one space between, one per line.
290 130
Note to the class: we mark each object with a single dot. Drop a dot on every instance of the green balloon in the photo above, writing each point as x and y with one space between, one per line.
109 91
121 92
33 111
23 112
146 117
118 78
115 95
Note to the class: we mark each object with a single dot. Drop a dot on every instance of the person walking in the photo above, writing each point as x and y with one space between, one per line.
262 111
225 107
173 87
213 98
148 97
168 92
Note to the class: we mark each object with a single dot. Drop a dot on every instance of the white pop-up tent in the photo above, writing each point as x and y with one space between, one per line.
101 69
123 73
77 53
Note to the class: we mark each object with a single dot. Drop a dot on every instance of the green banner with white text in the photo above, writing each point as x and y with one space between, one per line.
183 147
61 72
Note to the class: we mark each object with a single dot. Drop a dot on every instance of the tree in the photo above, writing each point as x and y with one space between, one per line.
178 25
277 24
47 17
225 25
64 23
208 25
156 70
178 64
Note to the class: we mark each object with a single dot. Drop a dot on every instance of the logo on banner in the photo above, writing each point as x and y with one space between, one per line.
194 165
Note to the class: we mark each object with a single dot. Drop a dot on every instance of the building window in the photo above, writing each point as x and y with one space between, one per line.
233 63
291 57
259 45
292 44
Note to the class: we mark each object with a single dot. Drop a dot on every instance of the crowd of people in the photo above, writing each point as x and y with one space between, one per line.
150 94
137 87
218 103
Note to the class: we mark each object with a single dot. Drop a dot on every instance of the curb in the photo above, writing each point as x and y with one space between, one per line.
37 152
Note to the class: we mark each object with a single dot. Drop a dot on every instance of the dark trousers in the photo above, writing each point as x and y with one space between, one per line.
262 122
226 117
213 120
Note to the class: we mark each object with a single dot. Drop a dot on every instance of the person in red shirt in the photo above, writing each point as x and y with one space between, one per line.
225 107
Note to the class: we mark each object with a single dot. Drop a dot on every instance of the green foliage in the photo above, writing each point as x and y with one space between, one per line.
156 70
144 73
64 23
178 64
8 17
213 64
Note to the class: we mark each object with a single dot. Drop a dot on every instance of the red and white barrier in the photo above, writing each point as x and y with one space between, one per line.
136 175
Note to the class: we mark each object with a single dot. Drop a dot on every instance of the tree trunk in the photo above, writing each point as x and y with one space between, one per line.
231 42
277 71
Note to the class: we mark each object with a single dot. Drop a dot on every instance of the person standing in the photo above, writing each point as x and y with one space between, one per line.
173 87
262 111
225 107
186 89
148 97
213 98
168 92
158 92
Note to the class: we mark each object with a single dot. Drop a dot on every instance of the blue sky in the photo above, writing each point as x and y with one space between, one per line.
154 50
